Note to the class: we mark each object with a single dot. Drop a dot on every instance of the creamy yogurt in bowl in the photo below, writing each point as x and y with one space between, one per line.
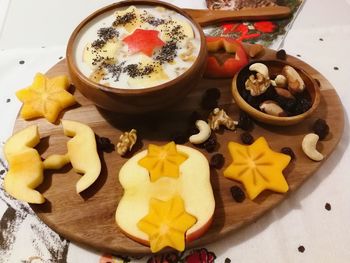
136 47
138 56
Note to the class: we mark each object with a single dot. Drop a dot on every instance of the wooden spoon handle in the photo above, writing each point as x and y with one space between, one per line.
206 17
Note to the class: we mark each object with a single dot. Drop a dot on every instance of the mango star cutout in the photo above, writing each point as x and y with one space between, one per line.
46 97
144 41
163 161
258 167
166 224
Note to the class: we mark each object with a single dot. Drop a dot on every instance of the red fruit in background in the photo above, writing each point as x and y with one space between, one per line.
224 64
265 26
144 41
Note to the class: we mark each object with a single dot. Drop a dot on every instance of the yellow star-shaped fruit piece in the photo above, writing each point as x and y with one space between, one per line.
46 97
257 167
163 161
166 224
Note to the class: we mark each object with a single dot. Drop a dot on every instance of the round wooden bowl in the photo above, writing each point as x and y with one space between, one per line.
134 101
275 68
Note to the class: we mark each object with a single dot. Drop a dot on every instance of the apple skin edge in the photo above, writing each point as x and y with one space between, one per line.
231 65
189 238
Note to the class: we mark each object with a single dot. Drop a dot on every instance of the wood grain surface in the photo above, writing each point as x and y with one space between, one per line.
88 218
206 17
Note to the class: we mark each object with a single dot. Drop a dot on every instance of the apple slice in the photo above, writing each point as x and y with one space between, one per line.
93 56
82 152
26 167
177 25
193 186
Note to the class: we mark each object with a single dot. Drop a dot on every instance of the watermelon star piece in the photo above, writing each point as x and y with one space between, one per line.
144 41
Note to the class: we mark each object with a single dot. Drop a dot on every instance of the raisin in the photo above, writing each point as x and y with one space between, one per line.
208 103
227 260
269 94
179 138
301 249
192 130
302 105
209 144
217 161
281 54
247 138
210 99
104 144
328 206
194 117
237 194
288 151
213 93
254 102
244 94
285 103
321 128
245 122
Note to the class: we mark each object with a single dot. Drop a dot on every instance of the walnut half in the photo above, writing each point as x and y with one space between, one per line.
219 117
126 141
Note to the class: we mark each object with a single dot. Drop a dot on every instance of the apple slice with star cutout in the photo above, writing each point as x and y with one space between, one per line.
192 185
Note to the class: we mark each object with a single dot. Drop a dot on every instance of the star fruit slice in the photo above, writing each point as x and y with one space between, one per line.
258 167
46 97
163 161
166 224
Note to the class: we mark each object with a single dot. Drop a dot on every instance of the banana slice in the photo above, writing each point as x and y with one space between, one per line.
157 76
134 16
184 28
93 56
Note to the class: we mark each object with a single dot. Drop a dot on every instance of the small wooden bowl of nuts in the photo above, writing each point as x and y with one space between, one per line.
275 92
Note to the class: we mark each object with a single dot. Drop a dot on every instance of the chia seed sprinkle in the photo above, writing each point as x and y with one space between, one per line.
107 33
176 33
125 19
167 53
98 43
133 70
113 69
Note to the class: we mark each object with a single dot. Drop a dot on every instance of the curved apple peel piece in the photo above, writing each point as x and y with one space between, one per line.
26 167
82 152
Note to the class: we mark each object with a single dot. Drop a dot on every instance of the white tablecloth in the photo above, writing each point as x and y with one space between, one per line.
36 32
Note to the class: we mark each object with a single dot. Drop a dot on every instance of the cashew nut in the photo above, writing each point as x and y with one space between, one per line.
309 147
272 108
295 82
204 133
260 68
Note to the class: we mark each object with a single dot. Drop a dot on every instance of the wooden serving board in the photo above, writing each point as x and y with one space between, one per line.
88 218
